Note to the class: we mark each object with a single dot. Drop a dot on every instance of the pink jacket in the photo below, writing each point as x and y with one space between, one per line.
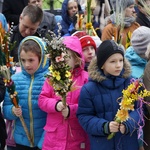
63 134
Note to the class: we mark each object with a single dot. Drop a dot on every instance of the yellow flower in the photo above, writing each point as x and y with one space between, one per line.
145 93
122 115
127 104
134 92
89 25
50 68
128 39
68 74
56 74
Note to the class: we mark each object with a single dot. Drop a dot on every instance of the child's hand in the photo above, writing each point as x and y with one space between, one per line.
17 111
65 112
122 128
114 126
60 106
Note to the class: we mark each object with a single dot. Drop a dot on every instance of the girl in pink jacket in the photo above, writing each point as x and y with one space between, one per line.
61 133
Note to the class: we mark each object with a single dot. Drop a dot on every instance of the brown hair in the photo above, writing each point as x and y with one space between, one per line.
32 46
33 12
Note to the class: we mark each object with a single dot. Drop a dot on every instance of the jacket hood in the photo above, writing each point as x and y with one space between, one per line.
97 75
73 43
43 61
134 58
137 63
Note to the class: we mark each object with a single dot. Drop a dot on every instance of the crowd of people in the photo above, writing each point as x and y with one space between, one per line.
102 63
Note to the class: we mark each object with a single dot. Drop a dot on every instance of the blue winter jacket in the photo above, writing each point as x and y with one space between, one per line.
137 63
28 88
98 104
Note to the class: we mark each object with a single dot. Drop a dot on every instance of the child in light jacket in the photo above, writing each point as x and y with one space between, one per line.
28 85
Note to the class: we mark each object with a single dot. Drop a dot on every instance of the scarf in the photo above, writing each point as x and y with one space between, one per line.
127 20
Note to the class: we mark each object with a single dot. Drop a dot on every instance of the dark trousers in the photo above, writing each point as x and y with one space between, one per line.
22 147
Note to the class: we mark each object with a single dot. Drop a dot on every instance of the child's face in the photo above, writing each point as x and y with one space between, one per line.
70 60
30 61
89 53
113 65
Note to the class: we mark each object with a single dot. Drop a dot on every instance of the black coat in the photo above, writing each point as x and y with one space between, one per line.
142 20
16 38
3 134
12 10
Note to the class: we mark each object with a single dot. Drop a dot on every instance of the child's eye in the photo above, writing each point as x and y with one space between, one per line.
22 60
30 60
112 61
84 50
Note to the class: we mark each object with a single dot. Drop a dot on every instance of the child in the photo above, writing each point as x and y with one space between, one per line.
109 74
88 49
65 134
28 84
3 135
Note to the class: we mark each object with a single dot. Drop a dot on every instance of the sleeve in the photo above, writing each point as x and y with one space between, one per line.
73 110
47 99
87 117
107 33
134 121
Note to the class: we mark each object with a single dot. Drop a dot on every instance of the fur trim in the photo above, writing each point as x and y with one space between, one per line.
95 73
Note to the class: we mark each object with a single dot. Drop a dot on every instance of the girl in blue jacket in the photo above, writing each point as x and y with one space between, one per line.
109 74
28 84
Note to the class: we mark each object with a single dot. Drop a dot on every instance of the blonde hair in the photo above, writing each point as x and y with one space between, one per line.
78 59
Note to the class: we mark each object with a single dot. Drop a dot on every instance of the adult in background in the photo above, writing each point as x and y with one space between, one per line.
48 21
12 10
29 22
69 9
113 31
